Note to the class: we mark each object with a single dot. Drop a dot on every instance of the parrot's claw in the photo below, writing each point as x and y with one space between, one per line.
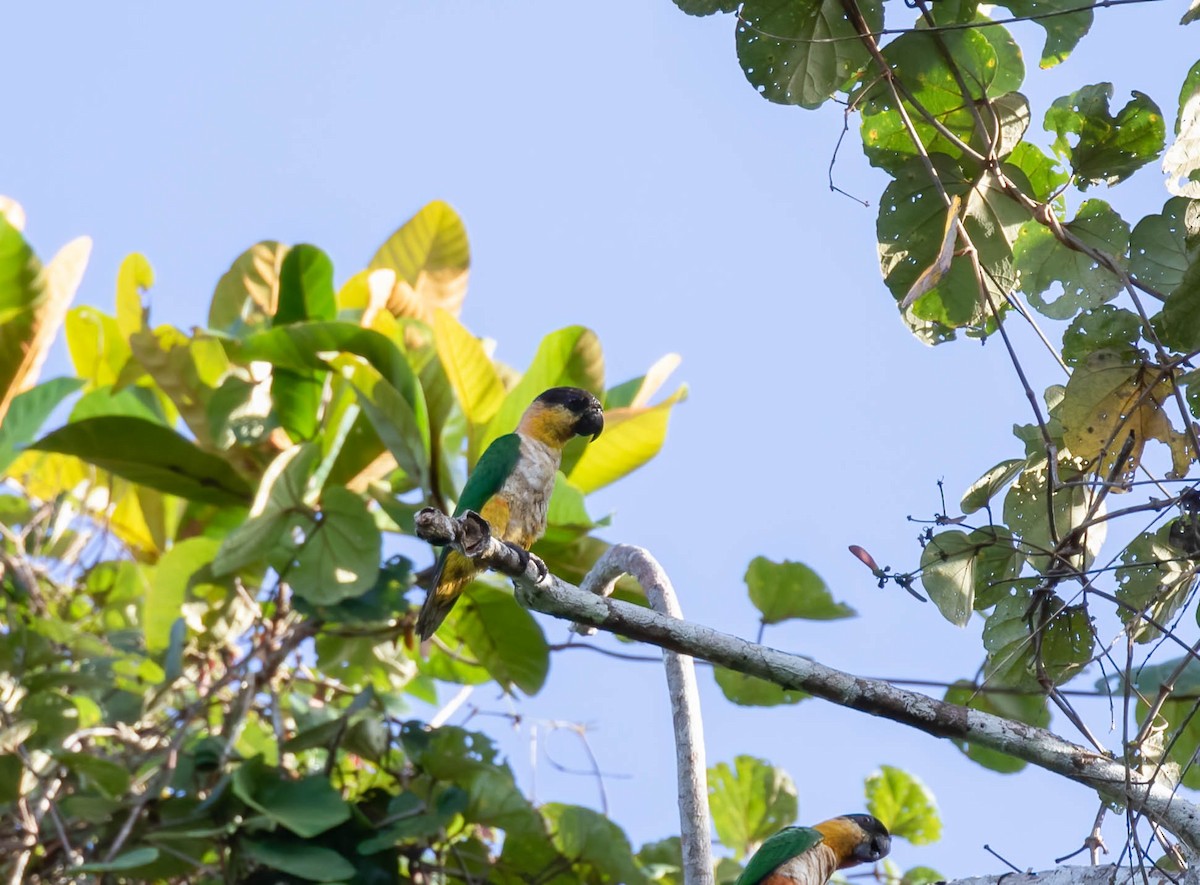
528 558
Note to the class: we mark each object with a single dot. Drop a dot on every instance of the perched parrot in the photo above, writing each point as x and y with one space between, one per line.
810 855
510 487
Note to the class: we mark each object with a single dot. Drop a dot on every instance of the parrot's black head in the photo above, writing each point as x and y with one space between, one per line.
562 413
875 841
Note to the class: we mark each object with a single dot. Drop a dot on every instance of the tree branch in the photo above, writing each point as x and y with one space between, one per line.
543 592
1109 874
690 765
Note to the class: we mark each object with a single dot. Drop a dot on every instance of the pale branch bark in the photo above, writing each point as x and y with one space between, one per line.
1108 874
540 591
690 764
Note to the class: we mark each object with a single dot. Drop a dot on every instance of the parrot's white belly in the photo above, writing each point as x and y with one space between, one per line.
528 491
812 867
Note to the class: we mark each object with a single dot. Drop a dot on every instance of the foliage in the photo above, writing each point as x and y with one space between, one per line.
208 647
987 226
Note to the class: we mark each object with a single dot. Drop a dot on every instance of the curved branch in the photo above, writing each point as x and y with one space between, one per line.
538 590
690 765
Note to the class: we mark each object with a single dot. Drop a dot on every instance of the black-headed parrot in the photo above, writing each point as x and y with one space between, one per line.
510 487
810 855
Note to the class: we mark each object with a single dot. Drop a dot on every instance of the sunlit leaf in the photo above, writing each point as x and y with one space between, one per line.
1046 265
989 485
1108 149
904 804
339 557
1106 327
784 590
134 278
750 801
472 375
1107 398
430 256
1064 21
247 294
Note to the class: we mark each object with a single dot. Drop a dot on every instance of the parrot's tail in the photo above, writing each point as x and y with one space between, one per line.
455 571
433 612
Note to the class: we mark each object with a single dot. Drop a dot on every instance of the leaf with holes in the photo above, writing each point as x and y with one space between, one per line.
1108 149
1044 263
802 52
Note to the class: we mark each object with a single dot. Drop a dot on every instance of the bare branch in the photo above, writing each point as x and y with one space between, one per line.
1109 777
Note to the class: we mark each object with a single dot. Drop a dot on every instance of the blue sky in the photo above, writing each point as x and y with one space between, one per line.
614 169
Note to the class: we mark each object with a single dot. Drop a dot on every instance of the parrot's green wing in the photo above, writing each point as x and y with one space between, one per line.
495 465
779 849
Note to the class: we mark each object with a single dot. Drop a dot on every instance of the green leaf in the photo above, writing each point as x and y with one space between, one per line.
339 557
1027 513
801 52
1154 579
148 453
990 63
1102 328
791 590
989 485
707 7
1044 174
300 347
282 495
98 349
948 575
570 357
904 804
308 806
1108 149
1181 313
1028 708
305 287
1063 29
1045 263
503 637
751 691
403 429
181 569
111 779
28 412
310 862
590 839
1161 248
750 801
248 292
126 860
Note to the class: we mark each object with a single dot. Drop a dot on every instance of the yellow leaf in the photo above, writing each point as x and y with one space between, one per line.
631 437
37 313
134 277
431 258
473 377
1112 406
